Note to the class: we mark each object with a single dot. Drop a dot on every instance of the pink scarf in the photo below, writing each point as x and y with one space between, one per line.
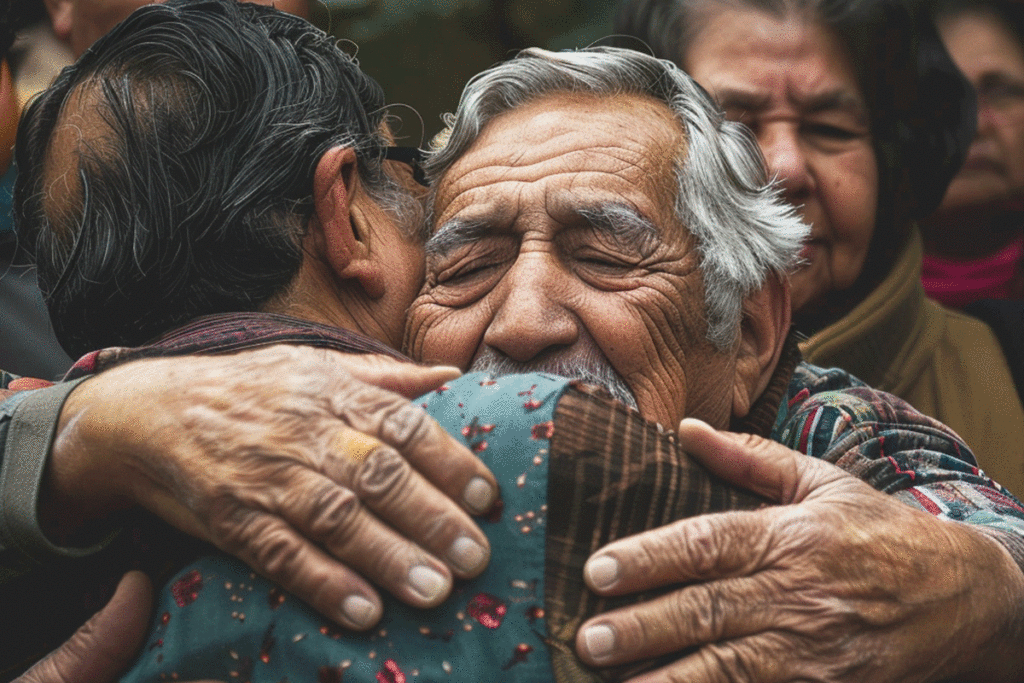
957 283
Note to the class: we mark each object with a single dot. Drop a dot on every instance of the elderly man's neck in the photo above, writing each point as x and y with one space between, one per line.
321 299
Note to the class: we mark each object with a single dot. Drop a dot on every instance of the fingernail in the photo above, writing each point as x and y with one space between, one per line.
359 611
428 584
600 641
478 495
467 554
602 572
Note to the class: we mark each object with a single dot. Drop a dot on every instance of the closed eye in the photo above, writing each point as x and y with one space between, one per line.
825 130
466 272
605 262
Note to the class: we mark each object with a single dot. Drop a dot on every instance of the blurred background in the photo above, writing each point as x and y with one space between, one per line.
424 51
421 51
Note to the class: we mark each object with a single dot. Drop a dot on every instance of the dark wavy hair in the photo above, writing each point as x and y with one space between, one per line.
194 196
922 109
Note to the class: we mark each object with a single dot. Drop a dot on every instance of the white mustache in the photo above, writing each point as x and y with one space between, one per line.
590 368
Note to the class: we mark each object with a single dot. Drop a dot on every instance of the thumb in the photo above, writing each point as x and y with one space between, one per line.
760 465
104 647
401 377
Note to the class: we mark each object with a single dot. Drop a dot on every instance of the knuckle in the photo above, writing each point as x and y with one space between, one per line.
383 474
332 513
734 662
231 527
389 416
703 609
274 552
697 548
405 424
388 568
363 406
640 561
256 538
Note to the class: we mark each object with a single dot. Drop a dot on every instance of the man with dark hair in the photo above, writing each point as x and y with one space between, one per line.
239 193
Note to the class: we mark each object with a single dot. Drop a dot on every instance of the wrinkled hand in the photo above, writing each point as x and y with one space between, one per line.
839 583
311 466
101 650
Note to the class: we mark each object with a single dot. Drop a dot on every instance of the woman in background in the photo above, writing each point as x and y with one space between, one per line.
974 243
863 119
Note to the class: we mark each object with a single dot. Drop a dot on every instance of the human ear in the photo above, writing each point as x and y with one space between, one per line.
765 324
339 232
60 12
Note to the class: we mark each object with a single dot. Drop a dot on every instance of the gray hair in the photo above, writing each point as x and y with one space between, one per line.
743 231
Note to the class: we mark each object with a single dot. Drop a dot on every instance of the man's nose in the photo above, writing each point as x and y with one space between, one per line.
787 160
531 315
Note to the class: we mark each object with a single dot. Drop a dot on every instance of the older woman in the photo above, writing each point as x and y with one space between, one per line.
974 243
863 119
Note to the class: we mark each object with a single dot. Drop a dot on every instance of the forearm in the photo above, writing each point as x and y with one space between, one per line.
988 629
924 466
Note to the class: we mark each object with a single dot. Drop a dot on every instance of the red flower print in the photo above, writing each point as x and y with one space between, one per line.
487 609
186 589
390 673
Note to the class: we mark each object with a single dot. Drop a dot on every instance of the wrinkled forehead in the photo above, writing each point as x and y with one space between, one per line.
568 148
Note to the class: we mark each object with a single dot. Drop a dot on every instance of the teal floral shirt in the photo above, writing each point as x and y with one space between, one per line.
216 619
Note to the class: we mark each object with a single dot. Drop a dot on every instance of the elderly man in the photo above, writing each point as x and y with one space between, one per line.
583 216
657 258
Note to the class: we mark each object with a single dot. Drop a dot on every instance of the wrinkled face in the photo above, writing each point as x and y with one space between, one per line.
791 82
80 23
993 61
555 245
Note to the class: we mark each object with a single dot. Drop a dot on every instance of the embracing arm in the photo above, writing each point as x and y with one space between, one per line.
297 460
840 582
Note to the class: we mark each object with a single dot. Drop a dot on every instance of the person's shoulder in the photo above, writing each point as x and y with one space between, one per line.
813 389
960 323
828 411
969 333
976 357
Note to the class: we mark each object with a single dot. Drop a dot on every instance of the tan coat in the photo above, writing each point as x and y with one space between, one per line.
946 364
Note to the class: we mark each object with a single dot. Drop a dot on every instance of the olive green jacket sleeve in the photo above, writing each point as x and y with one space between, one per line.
28 421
